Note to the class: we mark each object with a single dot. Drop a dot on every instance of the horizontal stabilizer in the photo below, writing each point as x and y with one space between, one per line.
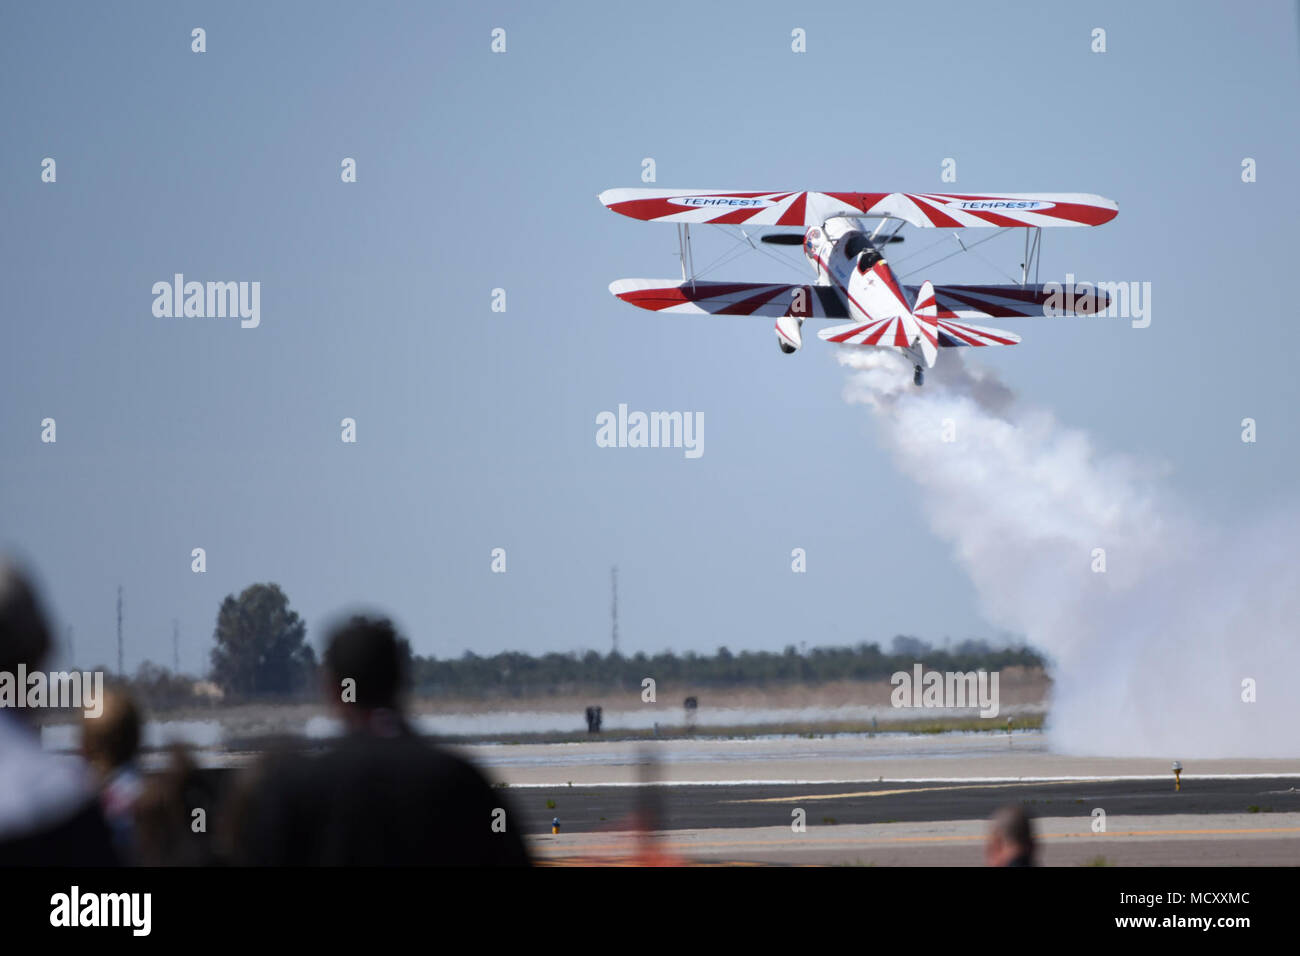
951 334
874 332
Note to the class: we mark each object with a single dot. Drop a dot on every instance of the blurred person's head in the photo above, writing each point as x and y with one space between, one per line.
112 739
367 652
24 631
1010 839
48 812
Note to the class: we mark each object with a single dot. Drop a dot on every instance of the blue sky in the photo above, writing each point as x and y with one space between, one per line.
476 429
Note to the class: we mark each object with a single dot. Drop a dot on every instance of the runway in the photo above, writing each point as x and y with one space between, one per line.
730 806
957 757
891 800
1178 840
887 800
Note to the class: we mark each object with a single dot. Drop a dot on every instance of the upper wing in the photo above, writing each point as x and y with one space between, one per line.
1010 301
731 298
725 207
926 210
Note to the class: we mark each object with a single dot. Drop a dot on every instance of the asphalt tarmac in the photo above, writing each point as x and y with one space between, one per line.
887 800
722 806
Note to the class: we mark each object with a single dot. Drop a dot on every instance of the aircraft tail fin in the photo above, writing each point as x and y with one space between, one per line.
926 313
927 305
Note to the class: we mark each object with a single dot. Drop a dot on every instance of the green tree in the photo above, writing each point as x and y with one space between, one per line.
261 645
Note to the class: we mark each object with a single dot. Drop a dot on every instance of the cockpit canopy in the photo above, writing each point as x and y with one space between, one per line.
858 246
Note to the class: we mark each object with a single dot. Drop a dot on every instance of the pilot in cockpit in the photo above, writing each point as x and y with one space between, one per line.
859 246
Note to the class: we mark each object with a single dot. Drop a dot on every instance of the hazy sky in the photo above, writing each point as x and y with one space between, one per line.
476 429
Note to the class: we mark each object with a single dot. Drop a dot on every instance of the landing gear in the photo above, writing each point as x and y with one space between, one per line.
918 375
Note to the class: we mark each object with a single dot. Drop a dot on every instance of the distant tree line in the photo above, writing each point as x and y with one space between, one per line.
515 674
261 653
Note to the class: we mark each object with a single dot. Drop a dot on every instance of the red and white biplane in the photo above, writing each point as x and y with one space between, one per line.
854 281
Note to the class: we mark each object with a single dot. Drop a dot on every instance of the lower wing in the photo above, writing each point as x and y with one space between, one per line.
1011 301
731 298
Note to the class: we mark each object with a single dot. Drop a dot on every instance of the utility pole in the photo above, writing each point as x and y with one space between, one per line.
121 660
72 647
613 581
176 646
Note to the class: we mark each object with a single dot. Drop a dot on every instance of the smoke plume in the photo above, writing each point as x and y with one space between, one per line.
1148 656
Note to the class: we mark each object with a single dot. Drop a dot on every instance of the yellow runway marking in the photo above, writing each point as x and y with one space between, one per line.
887 793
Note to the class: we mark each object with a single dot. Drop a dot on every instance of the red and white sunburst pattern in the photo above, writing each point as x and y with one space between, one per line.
878 332
954 334
725 207
892 332
730 298
807 208
1008 301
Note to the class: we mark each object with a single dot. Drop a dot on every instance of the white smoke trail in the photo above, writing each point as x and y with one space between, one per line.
1149 657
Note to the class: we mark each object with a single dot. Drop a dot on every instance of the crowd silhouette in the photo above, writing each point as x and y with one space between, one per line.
376 795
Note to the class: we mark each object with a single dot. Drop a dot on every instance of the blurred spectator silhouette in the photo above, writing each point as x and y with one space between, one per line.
1010 839
379 795
110 743
648 816
49 815
170 829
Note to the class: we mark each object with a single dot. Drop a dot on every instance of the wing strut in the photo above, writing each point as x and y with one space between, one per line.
685 253
880 230
1033 253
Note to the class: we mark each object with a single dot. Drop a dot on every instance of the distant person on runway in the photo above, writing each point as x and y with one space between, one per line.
1011 838
379 795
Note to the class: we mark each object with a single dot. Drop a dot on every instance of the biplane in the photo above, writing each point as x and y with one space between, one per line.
842 236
